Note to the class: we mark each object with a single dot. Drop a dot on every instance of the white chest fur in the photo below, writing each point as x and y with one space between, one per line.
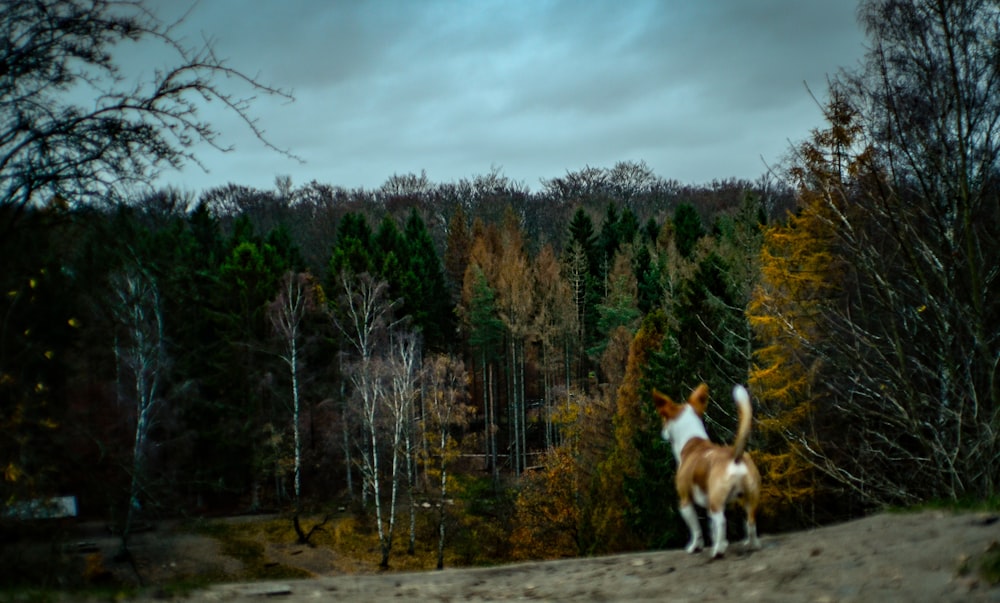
679 432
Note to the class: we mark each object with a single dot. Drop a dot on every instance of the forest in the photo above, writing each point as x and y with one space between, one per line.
487 351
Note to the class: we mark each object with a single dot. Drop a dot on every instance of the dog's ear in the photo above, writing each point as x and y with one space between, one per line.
699 399
667 408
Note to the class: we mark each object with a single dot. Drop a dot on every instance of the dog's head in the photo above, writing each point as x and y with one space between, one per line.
677 418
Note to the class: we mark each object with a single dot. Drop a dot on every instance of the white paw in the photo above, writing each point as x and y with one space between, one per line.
719 549
695 545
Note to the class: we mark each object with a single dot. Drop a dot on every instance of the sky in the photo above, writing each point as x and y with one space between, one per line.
699 90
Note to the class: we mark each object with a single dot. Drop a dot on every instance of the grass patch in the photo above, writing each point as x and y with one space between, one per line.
990 504
58 595
989 565
986 565
355 540
245 541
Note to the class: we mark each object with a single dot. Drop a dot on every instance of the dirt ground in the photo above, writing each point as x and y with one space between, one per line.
926 556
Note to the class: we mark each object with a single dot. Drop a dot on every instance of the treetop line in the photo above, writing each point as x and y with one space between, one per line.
478 343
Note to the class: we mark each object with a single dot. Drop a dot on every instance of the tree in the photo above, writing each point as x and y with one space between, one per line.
554 327
248 282
581 231
52 147
548 511
901 362
687 228
295 301
485 338
609 239
582 261
211 452
630 180
457 251
41 325
515 307
142 364
619 305
632 480
446 387
429 308
354 249
921 237
364 315
647 274
800 279
403 374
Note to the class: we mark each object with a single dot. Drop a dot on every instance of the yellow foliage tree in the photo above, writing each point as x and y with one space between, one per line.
800 277
556 504
623 461
547 521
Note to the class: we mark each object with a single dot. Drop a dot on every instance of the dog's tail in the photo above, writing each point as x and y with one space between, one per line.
743 406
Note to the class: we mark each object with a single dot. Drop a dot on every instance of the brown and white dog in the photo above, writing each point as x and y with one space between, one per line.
710 475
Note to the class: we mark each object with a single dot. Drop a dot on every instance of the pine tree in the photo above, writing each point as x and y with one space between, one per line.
427 292
457 250
687 228
354 249
799 276
485 337
625 485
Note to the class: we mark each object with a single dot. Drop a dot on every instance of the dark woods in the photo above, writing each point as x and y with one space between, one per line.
487 351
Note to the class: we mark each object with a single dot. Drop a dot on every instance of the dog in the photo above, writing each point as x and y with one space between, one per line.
710 475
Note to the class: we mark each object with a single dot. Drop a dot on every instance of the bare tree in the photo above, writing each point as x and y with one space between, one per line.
142 364
908 175
364 316
403 373
296 299
516 308
52 147
555 326
445 409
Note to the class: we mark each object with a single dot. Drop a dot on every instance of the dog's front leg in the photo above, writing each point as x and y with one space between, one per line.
691 519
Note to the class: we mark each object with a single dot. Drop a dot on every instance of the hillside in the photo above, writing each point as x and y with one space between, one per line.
926 556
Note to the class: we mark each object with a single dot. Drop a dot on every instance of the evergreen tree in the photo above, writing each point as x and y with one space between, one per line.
609 239
688 229
42 319
485 338
248 281
628 227
353 250
635 498
650 231
649 289
581 232
581 258
427 295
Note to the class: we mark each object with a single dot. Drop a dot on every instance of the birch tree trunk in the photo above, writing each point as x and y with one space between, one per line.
287 312
444 409
139 354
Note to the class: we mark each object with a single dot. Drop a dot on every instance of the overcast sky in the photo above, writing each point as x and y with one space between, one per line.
699 89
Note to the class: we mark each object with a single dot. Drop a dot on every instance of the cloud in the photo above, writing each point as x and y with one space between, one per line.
698 90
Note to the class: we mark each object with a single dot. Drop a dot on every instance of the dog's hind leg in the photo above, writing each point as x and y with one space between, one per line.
752 541
691 519
719 542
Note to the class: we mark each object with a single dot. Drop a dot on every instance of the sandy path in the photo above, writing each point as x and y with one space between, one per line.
883 558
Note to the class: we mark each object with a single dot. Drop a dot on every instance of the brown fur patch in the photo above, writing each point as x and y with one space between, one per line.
667 408
699 399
